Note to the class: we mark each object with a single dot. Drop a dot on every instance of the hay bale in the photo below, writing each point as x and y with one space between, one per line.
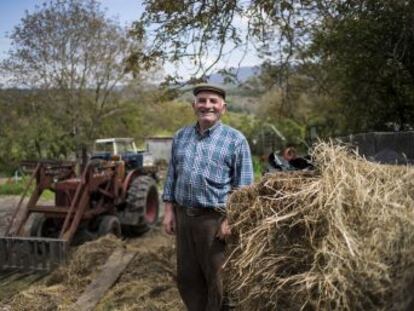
341 238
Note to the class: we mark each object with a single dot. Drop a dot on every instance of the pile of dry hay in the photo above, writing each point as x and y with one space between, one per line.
341 238
148 283
64 285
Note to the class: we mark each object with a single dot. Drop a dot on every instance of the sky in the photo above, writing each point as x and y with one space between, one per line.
126 11
11 12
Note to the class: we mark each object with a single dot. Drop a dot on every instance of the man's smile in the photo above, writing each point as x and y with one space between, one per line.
207 112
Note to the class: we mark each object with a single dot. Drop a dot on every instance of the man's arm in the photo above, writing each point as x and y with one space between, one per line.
168 193
169 218
168 196
243 166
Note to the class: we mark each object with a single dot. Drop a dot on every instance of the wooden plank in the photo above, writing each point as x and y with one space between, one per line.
111 271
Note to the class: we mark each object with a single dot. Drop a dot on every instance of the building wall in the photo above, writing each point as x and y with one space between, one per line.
159 148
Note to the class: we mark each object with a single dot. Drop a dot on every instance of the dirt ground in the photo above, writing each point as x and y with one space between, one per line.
148 283
7 203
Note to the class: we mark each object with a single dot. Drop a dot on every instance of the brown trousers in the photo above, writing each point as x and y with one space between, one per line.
200 257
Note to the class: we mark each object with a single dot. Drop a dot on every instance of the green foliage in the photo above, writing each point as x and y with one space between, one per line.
66 63
366 52
148 117
245 123
13 187
340 65
47 195
260 131
257 168
293 131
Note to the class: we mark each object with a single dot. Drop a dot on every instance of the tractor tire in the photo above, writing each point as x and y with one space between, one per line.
43 227
142 200
109 224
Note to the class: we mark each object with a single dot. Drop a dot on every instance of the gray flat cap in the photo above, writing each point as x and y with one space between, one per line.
209 88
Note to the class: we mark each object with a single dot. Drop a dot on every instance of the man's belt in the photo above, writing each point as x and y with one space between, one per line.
199 211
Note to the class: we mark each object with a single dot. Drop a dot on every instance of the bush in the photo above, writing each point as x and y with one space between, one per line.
13 187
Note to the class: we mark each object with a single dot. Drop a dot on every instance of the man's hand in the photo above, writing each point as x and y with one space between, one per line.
169 218
224 230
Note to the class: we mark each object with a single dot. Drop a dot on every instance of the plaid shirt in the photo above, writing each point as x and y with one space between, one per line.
204 168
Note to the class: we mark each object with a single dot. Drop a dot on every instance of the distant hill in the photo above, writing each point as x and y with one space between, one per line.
242 95
242 74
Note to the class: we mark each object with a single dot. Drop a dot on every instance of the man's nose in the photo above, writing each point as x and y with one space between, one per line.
209 103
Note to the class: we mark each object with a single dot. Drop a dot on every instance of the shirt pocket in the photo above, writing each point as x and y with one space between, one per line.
217 173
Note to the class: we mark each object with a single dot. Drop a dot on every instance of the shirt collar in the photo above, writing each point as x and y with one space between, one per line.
208 131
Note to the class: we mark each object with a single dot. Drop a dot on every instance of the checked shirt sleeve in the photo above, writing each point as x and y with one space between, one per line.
243 170
169 186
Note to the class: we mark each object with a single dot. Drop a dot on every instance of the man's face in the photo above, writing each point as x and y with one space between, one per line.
208 108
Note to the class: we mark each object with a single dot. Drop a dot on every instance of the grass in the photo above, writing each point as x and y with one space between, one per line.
47 195
257 168
13 187
17 188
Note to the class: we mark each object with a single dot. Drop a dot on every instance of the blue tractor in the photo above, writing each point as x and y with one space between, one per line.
122 149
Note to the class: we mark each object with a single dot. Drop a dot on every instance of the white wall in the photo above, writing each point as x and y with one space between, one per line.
160 149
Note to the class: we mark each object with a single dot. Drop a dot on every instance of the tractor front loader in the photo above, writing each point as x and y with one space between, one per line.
91 205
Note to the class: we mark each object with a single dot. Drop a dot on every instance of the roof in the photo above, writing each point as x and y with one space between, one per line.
114 140
159 138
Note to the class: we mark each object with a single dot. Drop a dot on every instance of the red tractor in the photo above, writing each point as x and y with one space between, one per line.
109 196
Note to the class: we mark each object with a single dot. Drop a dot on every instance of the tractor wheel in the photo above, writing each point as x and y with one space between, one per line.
43 227
142 198
109 224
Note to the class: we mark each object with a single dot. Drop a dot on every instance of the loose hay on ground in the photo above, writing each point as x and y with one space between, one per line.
341 238
63 286
148 283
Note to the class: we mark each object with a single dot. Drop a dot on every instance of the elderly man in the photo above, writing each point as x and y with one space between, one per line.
209 160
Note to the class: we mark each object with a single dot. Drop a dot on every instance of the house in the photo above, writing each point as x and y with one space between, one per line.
159 147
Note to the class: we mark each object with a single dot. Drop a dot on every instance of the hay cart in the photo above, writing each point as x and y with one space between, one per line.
103 199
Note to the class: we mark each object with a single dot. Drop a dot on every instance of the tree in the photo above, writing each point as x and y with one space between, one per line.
366 52
356 54
72 58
